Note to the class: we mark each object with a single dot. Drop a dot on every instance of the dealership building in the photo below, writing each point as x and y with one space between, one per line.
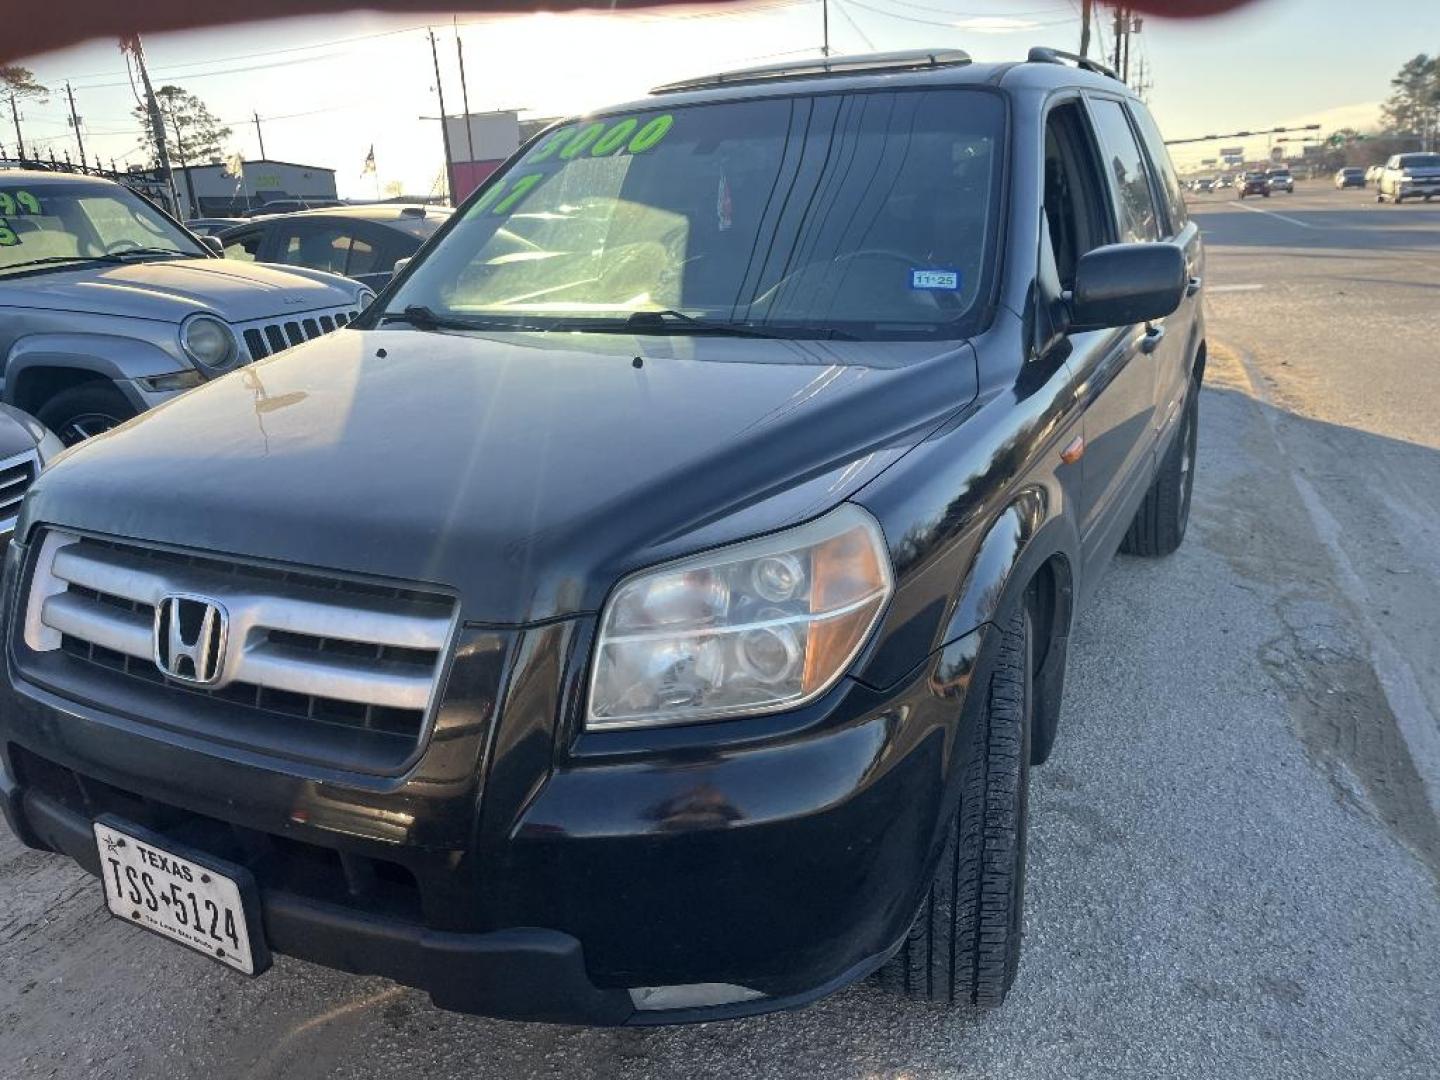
221 193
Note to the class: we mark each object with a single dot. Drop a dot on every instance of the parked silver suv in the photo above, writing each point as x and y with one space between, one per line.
108 306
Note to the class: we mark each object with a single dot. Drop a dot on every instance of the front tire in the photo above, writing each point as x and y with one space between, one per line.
964 946
1159 524
83 411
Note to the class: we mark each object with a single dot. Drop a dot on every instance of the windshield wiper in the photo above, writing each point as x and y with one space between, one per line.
670 321
109 257
424 318
147 251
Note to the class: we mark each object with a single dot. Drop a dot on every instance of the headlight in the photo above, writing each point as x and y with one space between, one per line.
364 296
208 341
764 625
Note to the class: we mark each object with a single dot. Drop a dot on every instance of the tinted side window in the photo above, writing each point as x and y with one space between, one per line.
1164 167
244 247
1126 166
318 247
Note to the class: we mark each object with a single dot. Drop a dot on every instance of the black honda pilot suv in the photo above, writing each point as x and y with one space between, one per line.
651 608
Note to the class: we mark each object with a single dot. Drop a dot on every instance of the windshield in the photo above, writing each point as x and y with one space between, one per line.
1420 161
63 222
864 214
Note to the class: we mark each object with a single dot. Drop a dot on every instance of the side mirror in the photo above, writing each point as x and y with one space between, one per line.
400 264
214 244
1124 284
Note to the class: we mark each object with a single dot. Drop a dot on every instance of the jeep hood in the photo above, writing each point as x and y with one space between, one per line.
170 289
527 472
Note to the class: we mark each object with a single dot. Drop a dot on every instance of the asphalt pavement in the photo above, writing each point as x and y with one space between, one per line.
1235 856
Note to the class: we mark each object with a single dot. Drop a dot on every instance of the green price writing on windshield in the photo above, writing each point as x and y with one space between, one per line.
19 201
602 140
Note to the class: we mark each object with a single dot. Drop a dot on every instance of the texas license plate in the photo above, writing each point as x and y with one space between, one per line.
202 904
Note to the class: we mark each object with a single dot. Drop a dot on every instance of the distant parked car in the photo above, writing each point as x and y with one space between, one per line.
1281 180
1409 176
361 242
1351 177
212 226
1252 183
111 307
290 206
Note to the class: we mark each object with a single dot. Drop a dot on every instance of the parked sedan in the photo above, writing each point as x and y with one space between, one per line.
361 242
212 226
1351 177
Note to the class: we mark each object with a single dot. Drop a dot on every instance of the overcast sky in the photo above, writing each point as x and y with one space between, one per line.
328 89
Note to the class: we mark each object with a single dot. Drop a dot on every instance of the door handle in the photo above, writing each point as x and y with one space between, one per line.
1193 286
1151 341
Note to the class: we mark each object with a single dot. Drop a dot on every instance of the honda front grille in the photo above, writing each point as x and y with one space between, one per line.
341 654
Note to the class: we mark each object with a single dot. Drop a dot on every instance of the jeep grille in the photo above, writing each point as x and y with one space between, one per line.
270 336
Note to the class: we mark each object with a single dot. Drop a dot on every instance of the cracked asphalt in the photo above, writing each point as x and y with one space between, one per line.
1235 857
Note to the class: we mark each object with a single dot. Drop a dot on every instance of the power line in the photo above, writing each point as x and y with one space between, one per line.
952 25
854 25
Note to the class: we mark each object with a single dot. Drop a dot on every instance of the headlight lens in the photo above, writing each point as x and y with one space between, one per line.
208 341
764 625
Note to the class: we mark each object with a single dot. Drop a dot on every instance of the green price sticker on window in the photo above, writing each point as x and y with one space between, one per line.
7 235
598 139
15 202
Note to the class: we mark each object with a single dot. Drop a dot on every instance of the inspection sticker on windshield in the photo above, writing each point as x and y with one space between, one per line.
935 279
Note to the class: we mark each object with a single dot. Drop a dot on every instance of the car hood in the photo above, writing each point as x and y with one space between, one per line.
527 472
170 289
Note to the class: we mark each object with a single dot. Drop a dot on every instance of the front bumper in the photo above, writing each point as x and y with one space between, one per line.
525 870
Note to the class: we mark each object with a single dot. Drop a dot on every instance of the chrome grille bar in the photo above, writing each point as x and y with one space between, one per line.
16 475
369 648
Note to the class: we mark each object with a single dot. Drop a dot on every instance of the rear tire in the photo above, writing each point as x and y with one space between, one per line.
1159 524
964 946
83 411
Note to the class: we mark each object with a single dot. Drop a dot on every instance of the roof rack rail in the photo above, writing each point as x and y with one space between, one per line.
909 60
1043 54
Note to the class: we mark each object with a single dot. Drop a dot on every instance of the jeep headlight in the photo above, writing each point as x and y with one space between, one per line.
208 341
756 627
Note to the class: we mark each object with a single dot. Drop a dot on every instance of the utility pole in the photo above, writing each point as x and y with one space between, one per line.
15 115
75 123
1129 26
1120 24
464 93
259 134
825 26
1085 7
133 47
444 128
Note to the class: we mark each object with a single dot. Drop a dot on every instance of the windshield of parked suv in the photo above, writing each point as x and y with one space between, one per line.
58 223
864 214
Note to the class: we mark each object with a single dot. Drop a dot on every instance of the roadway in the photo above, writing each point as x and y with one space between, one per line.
1235 857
